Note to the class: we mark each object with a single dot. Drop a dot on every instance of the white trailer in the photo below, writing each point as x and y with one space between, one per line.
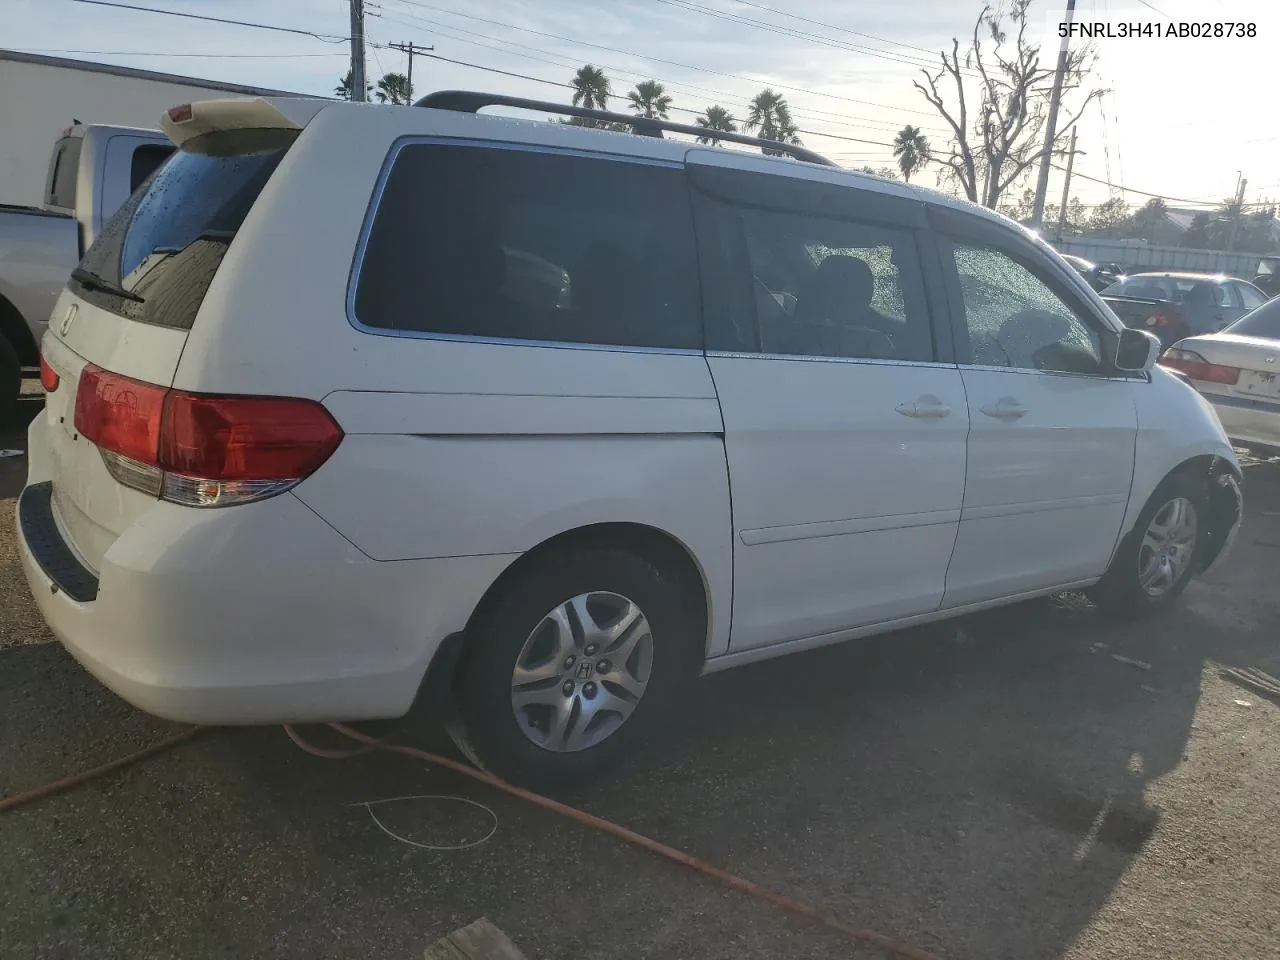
41 96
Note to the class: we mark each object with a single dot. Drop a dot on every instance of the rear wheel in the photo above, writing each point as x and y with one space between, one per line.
575 663
1159 556
10 382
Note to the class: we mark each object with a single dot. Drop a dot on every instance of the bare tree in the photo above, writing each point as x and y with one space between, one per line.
998 130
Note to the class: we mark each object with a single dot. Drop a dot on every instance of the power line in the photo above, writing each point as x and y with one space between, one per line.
1159 196
832 26
781 30
1155 8
327 38
569 86
565 61
210 56
673 63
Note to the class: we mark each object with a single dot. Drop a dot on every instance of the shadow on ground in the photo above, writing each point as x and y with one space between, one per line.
978 788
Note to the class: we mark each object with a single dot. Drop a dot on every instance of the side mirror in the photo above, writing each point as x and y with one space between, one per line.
1137 351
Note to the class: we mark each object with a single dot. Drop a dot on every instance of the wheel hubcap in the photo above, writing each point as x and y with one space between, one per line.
1167 547
582 671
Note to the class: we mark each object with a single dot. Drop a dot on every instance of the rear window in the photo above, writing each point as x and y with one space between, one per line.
1263 322
144 162
66 166
165 244
511 244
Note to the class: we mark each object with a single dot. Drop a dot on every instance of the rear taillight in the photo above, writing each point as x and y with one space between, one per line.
1158 320
198 450
49 378
1198 368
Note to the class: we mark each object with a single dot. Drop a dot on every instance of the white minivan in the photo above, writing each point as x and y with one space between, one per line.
352 405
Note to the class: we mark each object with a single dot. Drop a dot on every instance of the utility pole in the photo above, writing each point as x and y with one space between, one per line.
357 51
410 48
1051 123
1066 187
1235 221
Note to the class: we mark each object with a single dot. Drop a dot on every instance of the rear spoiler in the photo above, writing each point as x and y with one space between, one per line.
189 120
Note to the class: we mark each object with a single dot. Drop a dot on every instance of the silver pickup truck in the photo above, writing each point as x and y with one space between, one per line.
92 172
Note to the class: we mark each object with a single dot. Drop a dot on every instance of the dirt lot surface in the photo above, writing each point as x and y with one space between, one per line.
998 788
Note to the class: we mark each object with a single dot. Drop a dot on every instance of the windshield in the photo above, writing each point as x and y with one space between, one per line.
1263 322
164 246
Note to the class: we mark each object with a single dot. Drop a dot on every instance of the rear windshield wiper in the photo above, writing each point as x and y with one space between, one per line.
94 282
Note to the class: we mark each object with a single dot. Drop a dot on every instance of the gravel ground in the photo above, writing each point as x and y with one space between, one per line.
998 788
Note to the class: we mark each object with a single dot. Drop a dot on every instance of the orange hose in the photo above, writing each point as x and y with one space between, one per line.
66 783
895 947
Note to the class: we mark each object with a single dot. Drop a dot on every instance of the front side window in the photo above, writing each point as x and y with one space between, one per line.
836 288
1014 319
513 244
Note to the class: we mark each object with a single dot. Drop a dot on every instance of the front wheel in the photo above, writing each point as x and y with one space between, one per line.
574 663
1159 556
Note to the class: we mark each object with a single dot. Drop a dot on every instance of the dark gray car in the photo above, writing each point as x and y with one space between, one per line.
1204 302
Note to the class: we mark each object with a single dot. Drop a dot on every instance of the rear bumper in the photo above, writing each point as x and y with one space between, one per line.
1246 420
260 613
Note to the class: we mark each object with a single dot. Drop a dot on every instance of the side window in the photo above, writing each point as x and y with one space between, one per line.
144 162
512 244
1014 318
1250 297
66 165
836 288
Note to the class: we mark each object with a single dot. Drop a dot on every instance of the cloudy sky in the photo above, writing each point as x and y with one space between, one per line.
1184 115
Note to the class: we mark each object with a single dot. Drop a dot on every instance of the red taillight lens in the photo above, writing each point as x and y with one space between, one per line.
120 414
245 438
1198 368
202 450
49 378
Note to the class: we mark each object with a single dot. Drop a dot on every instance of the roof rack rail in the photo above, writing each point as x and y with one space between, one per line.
470 101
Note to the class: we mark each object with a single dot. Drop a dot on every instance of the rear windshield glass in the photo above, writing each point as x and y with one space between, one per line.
1263 322
155 260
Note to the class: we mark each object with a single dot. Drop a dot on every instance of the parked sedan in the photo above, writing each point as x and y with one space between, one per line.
1238 371
1204 302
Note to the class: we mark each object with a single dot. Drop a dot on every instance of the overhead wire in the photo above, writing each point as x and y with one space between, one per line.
568 62
673 63
326 37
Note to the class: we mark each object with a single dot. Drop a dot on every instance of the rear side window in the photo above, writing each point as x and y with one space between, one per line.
510 244
836 288
162 248
144 162
66 166
1263 322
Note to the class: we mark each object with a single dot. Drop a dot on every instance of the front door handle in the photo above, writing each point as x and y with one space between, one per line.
926 408
1006 408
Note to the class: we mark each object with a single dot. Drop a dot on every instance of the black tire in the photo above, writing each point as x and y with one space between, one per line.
498 636
10 383
1120 591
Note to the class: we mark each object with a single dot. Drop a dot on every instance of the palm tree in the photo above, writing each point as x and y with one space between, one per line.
343 90
650 99
771 117
912 150
394 88
591 88
716 119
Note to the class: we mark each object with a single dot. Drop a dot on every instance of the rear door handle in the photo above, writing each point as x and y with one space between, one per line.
1006 408
926 408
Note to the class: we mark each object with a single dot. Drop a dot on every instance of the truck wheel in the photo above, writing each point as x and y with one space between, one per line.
10 382
574 664
1159 556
